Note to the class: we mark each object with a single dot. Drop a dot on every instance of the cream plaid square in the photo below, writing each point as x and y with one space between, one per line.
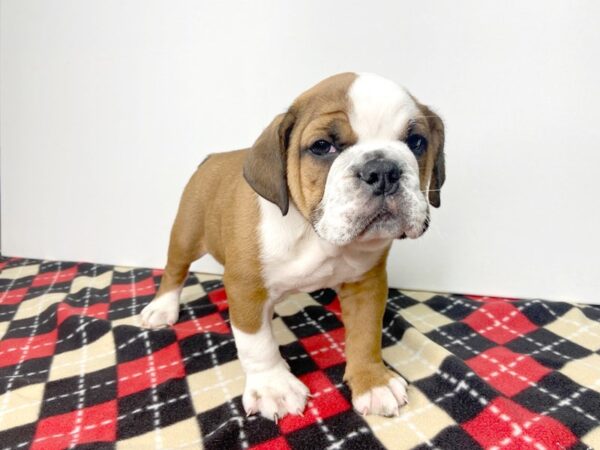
191 293
295 304
592 439
423 318
98 282
576 327
21 406
181 435
419 422
37 305
585 371
100 354
420 296
215 386
14 273
415 356
282 333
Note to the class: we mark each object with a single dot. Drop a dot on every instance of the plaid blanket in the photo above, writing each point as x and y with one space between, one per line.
77 371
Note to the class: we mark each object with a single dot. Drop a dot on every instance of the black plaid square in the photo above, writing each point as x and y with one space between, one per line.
132 342
542 313
131 276
87 297
224 428
456 307
7 312
211 285
17 437
591 312
147 410
570 403
68 394
344 430
69 340
128 307
54 288
30 371
547 348
324 296
461 340
310 321
457 390
203 351
451 438
297 358
43 323
200 307
394 326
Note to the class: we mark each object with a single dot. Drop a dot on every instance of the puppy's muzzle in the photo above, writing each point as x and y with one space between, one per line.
382 176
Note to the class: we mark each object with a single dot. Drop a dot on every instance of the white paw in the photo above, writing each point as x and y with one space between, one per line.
274 393
162 311
383 400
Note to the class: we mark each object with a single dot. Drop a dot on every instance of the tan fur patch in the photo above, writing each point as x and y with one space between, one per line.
363 305
319 112
218 214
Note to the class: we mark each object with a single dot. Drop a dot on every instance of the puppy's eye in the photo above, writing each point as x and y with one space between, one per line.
322 147
417 144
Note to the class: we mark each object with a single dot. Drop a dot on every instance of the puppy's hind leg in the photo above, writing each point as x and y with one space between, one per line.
163 310
185 246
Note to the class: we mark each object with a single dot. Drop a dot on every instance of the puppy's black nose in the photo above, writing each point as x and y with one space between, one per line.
382 176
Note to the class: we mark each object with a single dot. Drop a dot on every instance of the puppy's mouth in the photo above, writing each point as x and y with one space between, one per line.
396 225
376 220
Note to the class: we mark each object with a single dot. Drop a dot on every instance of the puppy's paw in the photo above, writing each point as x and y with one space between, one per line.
376 390
274 393
383 400
161 312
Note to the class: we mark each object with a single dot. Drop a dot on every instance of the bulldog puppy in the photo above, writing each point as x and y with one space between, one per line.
315 203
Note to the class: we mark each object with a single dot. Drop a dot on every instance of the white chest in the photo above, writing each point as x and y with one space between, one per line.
295 259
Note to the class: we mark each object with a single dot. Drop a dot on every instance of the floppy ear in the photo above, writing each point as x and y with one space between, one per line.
265 167
438 174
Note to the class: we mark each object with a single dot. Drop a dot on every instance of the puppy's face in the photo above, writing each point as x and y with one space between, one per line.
360 158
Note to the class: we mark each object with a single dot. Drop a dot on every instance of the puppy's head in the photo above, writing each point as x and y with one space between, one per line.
359 157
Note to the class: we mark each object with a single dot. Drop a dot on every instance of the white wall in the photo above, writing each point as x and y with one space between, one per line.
106 107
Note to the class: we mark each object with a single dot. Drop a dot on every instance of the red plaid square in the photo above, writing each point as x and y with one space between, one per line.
499 322
506 424
219 298
486 299
278 443
150 371
12 351
59 276
98 311
130 290
326 349
327 401
96 424
507 371
213 323
335 307
13 297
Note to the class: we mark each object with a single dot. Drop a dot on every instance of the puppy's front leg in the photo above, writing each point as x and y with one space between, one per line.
270 389
375 389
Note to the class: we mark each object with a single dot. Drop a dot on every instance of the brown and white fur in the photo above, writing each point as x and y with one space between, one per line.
291 215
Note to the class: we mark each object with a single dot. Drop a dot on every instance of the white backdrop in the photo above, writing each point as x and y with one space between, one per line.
107 106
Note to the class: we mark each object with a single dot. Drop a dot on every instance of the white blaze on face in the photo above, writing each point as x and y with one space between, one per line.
380 111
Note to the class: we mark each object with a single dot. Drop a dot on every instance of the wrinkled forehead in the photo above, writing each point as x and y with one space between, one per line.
374 107
379 109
